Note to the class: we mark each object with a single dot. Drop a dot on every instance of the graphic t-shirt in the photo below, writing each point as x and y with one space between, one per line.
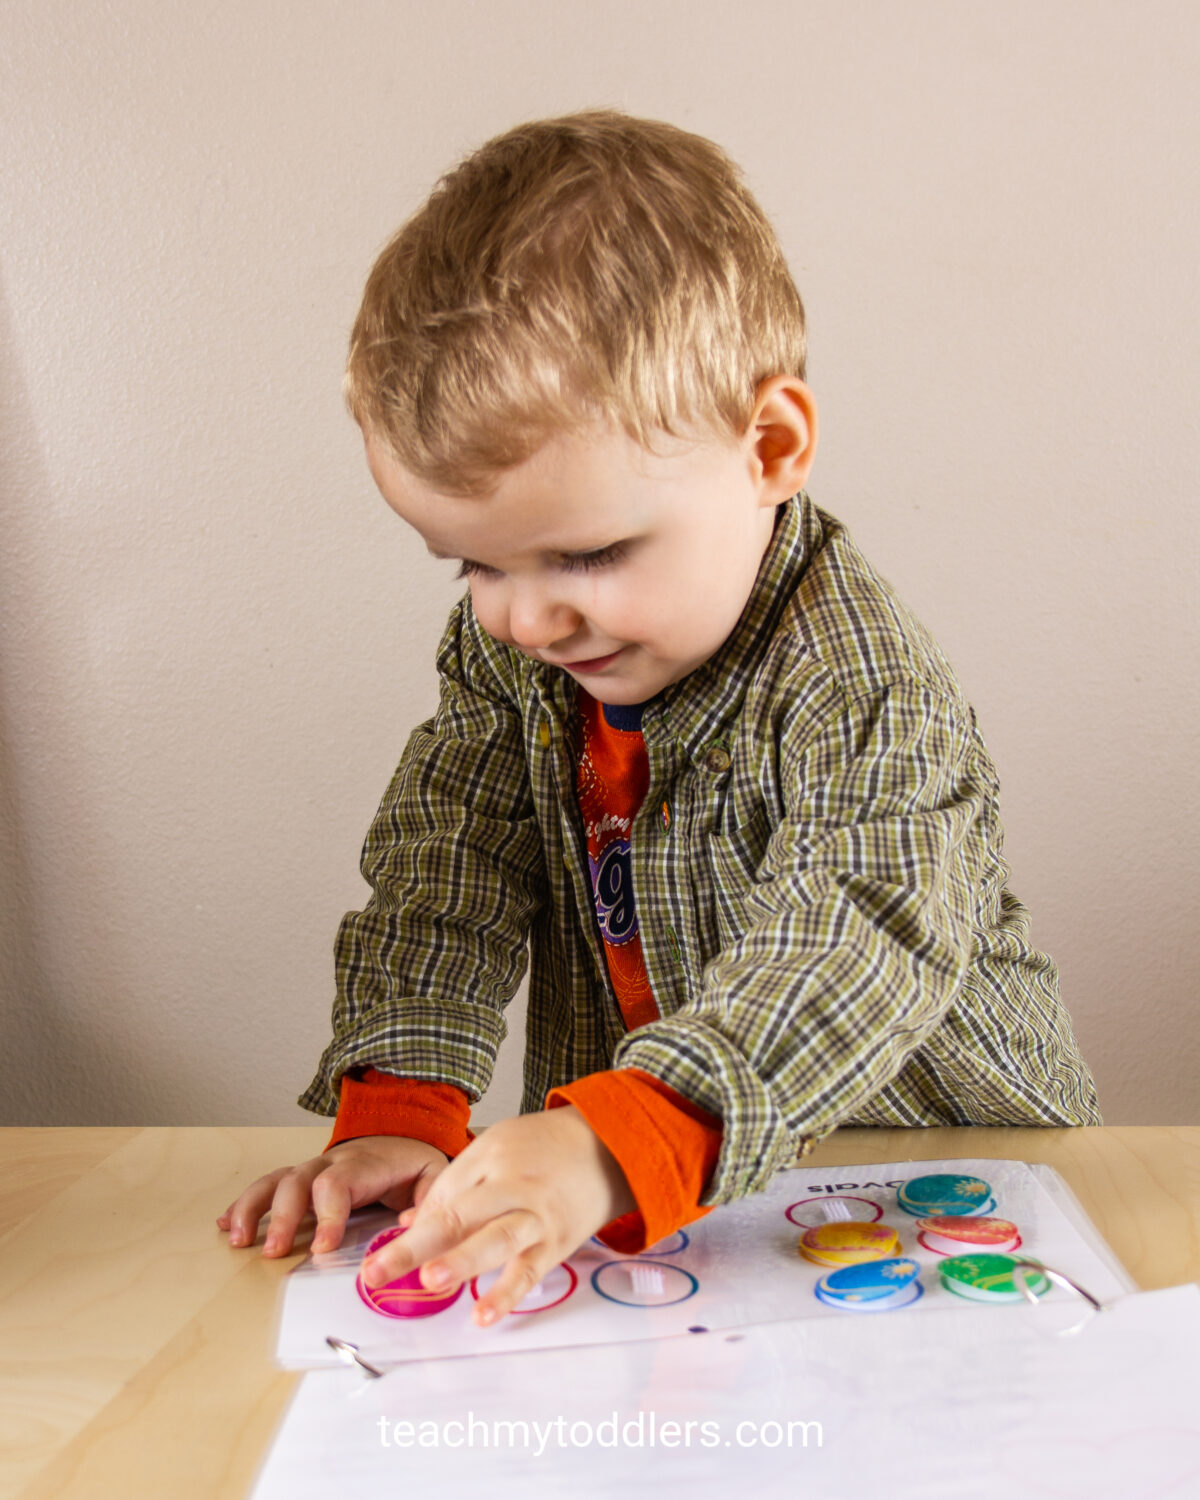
614 773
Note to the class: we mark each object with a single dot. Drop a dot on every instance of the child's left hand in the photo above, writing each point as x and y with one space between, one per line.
523 1195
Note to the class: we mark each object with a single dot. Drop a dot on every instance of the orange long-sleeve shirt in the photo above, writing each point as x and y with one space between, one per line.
665 1145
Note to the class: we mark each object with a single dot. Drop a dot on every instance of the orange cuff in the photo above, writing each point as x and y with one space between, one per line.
382 1104
666 1146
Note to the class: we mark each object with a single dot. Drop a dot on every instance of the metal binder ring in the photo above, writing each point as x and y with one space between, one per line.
1020 1274
349 1355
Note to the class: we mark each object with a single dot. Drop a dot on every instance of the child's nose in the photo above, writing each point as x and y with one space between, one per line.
536 619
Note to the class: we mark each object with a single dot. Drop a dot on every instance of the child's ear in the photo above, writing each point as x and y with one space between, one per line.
782 434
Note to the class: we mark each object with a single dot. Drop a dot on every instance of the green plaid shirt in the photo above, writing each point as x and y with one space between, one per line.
817 867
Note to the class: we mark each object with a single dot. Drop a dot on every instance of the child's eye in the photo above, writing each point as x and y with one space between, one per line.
601 559
469 569
580 563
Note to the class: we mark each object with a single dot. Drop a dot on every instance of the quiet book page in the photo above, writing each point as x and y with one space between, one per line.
726 1357
738 1265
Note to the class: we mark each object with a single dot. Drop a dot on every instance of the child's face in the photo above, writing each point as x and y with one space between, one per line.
627 569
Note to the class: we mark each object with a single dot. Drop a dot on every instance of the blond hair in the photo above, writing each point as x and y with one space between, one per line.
591 267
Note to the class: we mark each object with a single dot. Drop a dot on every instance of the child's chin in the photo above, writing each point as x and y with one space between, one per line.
620 693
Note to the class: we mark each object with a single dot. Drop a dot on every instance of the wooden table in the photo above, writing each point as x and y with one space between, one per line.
135 1344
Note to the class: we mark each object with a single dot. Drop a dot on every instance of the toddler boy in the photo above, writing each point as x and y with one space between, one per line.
691 753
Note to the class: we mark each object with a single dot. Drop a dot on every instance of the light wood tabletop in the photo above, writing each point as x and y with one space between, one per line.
135 1345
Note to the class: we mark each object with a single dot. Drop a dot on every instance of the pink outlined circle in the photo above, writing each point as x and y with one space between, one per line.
572 1283
832 1198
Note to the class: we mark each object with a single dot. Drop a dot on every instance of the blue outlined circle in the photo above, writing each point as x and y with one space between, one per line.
658 1266
905 1297
684 1242
680 1234
945 1193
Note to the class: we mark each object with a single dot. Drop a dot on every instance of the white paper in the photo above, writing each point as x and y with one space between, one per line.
738 1267
968 1404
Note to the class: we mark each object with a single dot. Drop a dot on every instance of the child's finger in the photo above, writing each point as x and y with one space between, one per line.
438 1225
495 1243
288 1207
332 1202
516 1281
428 1176
243 1215
393 1260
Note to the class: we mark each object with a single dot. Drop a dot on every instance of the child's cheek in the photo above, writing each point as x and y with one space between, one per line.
490 613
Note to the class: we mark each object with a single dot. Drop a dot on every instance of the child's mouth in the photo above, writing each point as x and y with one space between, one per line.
593 664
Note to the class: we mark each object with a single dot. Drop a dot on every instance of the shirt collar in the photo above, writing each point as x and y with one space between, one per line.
699 708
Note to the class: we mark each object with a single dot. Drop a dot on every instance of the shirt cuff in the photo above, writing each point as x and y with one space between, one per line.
666 1146
382 1104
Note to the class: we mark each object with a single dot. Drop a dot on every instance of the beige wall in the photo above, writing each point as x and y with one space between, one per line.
216 637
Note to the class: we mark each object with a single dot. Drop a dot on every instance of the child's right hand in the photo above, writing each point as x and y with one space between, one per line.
390 1169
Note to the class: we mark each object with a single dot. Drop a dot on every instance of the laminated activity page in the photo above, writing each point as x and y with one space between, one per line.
897 1240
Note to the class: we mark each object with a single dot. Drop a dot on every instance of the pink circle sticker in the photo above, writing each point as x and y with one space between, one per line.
405 1297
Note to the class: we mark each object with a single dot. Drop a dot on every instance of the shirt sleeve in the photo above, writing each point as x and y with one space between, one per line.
665 1145
855 930
381 1104
455 865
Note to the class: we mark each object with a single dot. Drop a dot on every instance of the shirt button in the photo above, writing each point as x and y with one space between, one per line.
717 759
544 734
666 816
